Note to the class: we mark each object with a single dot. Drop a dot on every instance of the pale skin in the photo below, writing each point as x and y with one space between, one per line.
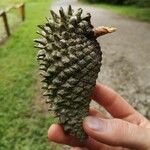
127 129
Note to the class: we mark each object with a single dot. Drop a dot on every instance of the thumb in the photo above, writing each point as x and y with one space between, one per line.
117 132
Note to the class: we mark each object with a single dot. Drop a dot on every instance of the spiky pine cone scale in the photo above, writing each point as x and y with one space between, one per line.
70 59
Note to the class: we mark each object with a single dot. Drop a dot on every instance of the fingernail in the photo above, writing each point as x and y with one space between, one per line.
94 123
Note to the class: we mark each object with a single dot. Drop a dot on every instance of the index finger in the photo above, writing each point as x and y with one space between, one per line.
112 101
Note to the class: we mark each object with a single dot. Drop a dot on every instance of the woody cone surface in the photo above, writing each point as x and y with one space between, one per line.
69 62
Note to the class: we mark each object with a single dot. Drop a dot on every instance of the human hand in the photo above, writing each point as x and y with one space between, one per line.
127 129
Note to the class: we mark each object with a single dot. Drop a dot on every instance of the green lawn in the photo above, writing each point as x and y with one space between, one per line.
23 126
131 11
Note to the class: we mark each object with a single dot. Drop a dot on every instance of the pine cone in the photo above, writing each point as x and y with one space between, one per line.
69 62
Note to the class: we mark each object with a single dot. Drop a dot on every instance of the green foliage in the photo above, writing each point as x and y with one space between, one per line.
23 126
140 3
106 1
129 2
143 3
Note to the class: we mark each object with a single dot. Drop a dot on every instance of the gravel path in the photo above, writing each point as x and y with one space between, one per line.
126 54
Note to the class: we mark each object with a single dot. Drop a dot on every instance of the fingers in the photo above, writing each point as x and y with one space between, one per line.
117 132
93 112
112 102
56 134
93 144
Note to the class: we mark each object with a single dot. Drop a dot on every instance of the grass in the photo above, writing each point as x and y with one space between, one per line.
22 125
130 11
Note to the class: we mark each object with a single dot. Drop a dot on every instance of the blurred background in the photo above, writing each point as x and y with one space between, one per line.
24 119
